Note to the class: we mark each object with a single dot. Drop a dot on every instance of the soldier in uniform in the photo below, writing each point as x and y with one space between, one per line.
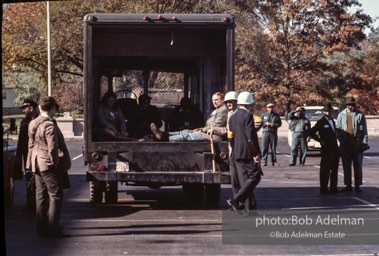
299 127
270 124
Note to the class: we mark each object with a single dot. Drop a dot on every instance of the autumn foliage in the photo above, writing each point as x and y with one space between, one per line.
305 50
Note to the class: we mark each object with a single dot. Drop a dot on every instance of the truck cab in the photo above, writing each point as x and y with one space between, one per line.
168 57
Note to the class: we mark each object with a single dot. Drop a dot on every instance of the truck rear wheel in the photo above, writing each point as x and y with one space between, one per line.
195 192
212 194
96 192
111 192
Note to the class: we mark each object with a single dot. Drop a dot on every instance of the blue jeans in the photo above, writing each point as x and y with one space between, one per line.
187 135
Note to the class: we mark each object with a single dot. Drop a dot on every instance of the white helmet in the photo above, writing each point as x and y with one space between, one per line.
232 95
245 98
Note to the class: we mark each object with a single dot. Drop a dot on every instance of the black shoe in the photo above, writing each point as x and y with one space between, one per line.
358 189
275 164
291 165
253 207
324 191
233 203
348 189
334 190
265 164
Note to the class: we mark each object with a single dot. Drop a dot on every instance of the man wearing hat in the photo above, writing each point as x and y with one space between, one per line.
270 124
299 126
352 134
324 131
29 108
245 153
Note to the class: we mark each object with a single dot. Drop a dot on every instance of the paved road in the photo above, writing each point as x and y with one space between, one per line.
163 222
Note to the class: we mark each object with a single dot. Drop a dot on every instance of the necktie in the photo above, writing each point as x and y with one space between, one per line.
350 129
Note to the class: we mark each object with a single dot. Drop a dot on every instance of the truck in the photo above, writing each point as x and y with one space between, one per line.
168 57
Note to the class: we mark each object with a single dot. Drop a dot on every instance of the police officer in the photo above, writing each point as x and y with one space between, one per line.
299 127
270 124
29 108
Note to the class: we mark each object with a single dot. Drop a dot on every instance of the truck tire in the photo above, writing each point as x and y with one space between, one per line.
111 192
195 192
212 194
96 192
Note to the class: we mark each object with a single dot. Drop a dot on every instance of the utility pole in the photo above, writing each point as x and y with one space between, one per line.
48 51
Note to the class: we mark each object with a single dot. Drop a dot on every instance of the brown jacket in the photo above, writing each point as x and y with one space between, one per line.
45 142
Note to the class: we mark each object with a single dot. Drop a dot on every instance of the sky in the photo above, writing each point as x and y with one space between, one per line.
371 7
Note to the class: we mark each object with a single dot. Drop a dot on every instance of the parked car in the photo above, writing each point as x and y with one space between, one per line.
9 155
314 113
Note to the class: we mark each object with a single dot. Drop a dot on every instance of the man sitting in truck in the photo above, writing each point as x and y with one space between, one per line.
217 118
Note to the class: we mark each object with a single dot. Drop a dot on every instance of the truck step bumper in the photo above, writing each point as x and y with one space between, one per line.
161 177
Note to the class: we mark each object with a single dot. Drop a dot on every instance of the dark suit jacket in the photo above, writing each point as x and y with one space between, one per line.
244 141
322 132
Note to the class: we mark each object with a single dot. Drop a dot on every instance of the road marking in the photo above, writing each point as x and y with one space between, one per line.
366 202
79 156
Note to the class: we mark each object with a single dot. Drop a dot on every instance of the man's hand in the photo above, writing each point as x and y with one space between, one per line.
257 160
210 132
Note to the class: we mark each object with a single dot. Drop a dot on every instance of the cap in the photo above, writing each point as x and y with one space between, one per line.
270 105
29 102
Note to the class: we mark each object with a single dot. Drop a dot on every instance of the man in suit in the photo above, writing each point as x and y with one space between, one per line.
245 152
353 137
324 131
47 157
299 127
29 108
270 124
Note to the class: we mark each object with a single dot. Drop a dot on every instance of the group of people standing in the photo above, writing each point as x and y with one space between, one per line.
42 149
350 130
345 138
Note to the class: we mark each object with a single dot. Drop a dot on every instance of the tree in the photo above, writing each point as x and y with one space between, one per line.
300 34
284 48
